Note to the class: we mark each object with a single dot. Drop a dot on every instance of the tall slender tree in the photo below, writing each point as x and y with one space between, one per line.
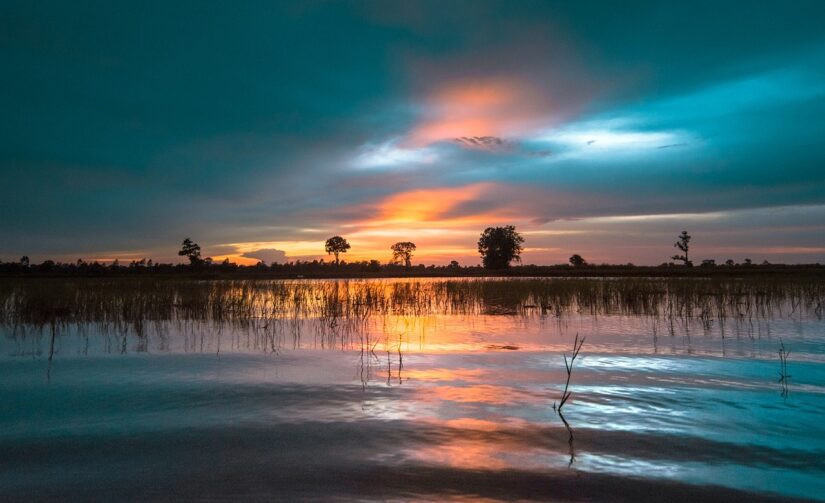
190 250
683 244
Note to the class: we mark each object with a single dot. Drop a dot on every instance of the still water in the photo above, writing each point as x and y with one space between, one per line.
428 406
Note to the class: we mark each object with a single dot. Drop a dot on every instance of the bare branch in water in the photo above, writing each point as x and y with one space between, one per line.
784 377
577 345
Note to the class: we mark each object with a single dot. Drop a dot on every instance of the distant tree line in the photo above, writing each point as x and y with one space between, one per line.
320 268
498 247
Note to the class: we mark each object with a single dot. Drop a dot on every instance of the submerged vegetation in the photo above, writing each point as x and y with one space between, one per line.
131 303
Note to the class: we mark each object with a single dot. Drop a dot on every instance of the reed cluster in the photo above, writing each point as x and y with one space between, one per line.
129 304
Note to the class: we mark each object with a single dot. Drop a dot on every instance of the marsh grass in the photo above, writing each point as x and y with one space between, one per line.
274 313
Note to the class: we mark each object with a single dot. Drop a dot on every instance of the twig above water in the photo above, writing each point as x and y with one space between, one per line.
577 346
784 377
568 365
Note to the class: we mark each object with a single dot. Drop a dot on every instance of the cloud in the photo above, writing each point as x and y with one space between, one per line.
554 114
390 154
267 255
472 109
492 143
430 206
614 136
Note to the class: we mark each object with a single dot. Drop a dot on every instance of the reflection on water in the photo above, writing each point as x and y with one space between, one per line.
418 392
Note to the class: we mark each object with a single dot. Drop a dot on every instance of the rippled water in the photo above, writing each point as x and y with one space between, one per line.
417 407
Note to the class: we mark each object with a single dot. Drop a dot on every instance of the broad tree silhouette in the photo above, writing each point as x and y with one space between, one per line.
683 244
499 246
402 251
336 245
577 260
190 250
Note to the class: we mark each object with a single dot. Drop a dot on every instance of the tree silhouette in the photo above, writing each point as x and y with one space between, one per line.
24 261
190 250
402 251
499 246
577 260
683 244
336 245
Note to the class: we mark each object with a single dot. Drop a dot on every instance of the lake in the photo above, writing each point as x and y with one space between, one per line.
409 390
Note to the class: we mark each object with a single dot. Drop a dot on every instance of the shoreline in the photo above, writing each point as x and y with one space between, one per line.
184 272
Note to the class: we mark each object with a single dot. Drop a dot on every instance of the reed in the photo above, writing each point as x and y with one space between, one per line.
274 311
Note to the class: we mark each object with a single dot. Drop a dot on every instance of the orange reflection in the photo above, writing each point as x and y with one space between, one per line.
463 454
442 374
471 423
483 393
477 449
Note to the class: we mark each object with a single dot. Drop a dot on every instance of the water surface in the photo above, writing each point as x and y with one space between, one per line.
442 404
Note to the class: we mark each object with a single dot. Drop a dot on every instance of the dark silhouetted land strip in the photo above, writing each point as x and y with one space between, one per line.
373 269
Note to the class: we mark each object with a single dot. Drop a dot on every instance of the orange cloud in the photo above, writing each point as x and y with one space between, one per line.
444 223
433 208
235 258
427 205
493 107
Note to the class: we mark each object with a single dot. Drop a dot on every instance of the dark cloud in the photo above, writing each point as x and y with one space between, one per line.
484 142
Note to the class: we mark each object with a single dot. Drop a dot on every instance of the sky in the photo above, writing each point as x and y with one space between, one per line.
260 129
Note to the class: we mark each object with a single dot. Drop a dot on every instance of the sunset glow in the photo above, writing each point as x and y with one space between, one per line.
412 250
487 108
588 141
